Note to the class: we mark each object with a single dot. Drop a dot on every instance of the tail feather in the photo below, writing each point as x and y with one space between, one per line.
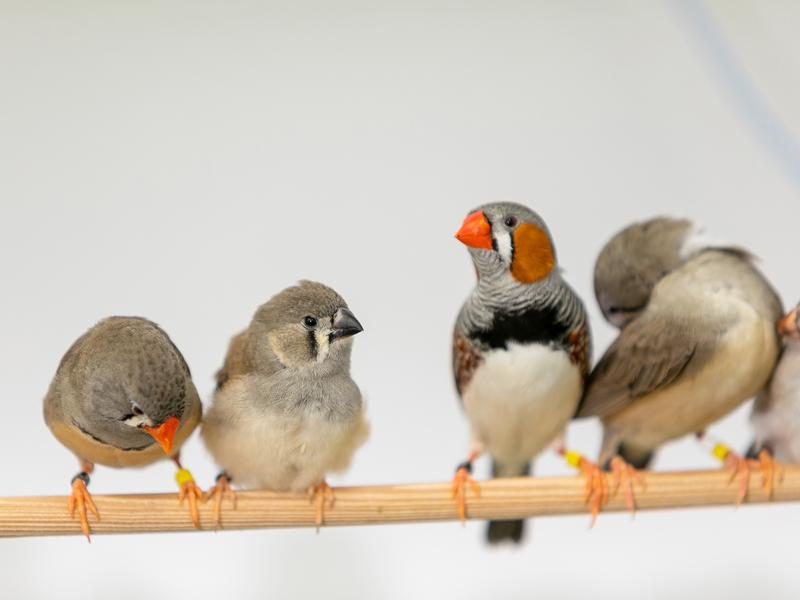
507 531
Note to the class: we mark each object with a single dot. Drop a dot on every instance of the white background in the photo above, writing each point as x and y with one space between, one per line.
185 163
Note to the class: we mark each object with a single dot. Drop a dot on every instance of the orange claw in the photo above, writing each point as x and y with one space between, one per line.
80 500
596 490
740 470
461 481
221 489
321 495
771 471
190 490
623 476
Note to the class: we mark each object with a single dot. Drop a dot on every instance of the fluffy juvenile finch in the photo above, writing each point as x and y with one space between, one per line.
776 414
702 342
123 397
521 346
286 411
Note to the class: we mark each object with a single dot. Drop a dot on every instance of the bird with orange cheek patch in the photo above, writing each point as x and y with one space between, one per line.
123 397
521 352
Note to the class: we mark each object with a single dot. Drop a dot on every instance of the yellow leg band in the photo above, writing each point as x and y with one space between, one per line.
573 459
720 452
183 477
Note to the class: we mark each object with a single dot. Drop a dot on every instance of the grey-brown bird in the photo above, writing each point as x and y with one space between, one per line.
286 411
776 414
635 260
123 397
521 349
700 344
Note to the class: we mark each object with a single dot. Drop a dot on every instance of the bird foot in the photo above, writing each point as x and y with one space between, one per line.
740 468
596 490
222 489
79 501
321 495
623 477
461 481
771 471
190 491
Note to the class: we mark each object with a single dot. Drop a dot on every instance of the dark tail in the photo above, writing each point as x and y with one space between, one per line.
500 532
638 459
755 449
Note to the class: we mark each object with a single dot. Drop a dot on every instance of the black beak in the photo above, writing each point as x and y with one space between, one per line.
345 324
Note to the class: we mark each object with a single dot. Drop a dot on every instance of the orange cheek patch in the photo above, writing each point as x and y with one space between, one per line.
533 254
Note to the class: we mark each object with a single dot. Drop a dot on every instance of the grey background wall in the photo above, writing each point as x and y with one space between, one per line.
185 162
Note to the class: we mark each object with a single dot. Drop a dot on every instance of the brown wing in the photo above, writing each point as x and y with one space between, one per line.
466 359
650 354
236 360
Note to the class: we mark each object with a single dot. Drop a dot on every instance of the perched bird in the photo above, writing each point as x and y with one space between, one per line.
702 341
286 411
776 414
123 397
521 347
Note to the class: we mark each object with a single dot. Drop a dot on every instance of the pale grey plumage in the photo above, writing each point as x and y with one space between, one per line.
123 373
633 261
705 343
286 410
776 413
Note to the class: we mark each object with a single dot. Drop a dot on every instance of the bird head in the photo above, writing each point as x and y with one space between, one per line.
306 325
508 239
138 386
153 414
789 326
633 262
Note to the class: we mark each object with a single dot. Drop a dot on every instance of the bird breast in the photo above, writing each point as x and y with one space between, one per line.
521 398
282 442
778 423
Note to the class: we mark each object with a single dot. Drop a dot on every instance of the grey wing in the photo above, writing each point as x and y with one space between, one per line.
61 387
649 355
235 360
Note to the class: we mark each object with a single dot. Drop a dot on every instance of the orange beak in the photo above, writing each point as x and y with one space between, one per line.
788 326
164 434
476 231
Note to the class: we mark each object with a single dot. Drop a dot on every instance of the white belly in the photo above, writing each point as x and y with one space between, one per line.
779 426
520 399
270 450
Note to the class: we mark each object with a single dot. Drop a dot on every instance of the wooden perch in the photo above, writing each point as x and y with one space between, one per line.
499 499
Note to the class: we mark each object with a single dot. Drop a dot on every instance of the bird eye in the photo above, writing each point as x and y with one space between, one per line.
137 411
309 322
510 222
614 310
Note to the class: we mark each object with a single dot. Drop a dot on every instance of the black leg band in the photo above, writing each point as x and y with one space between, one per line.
83 476
467 466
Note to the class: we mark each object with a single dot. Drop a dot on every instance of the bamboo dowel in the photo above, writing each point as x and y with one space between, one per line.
499 499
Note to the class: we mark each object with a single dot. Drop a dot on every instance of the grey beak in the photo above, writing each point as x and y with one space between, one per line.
345 324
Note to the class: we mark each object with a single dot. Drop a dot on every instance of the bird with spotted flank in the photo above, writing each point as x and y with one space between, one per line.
521 352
